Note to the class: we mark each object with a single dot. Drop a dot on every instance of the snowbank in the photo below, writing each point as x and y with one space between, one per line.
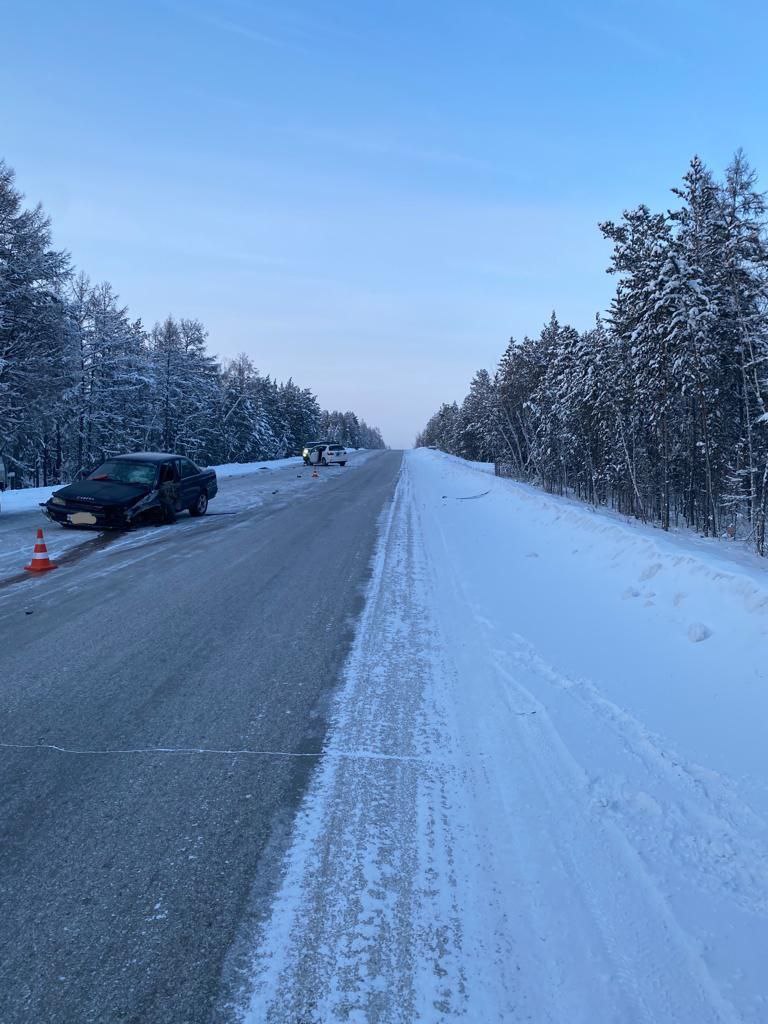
244 468
25 499
670 625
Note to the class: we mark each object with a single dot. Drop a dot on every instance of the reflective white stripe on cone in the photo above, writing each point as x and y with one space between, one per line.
40 561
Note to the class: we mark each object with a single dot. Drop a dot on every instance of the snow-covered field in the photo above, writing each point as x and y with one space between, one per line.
545 793
245 468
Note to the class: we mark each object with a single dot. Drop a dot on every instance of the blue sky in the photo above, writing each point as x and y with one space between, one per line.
371 197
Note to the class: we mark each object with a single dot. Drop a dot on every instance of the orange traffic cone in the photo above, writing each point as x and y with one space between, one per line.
315 473
40 560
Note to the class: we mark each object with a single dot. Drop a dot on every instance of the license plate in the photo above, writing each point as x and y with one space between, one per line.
82 519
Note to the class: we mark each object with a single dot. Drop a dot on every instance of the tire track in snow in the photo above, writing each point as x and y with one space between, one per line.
690 813
347 938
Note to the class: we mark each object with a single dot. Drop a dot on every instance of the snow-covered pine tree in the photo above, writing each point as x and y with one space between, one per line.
518 375
744 321
443 430
185 382
34 341
107 404
245 432
641 246
480 438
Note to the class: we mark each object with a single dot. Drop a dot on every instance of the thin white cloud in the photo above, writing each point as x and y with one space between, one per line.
226 25
385 146
619 32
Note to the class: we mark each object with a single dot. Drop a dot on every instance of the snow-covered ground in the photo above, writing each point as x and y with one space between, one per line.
245 468
544 795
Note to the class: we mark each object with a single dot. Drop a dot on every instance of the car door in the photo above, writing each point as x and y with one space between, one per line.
190 483
169 481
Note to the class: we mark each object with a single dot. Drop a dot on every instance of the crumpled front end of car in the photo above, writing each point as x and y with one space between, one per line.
87 514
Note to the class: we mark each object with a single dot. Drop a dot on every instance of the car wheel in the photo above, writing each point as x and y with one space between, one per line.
200 507
324 461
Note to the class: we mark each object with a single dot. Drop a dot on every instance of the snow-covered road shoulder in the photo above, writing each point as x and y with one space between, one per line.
544 794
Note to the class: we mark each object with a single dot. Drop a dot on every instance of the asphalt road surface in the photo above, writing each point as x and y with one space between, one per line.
154 692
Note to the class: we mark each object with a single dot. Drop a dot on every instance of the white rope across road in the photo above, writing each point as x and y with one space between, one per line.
356 754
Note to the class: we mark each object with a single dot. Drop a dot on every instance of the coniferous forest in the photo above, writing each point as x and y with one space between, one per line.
81 379
660 410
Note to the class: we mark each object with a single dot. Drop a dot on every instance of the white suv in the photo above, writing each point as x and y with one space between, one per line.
333 455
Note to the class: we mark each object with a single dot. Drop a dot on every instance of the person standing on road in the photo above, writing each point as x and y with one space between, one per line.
168 492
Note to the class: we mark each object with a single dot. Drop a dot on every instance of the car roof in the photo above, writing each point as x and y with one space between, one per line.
144 457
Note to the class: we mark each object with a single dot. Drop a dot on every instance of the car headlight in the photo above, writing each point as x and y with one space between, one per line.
56 500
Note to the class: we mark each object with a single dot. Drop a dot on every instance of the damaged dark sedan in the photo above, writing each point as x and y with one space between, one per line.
128 489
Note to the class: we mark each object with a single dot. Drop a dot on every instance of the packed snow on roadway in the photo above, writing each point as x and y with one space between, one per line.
544 794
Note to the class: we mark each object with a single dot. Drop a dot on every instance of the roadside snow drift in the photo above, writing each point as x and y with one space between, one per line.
545 790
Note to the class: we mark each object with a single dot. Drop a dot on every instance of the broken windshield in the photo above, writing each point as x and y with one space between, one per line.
126 473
